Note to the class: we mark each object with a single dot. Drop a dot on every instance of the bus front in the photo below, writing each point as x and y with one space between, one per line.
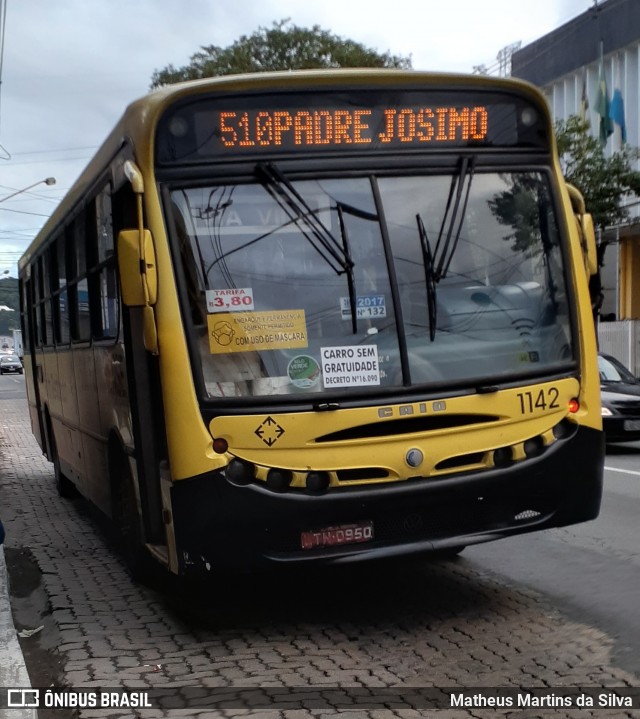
387 317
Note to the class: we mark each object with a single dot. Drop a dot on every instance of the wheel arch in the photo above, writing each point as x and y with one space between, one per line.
120 469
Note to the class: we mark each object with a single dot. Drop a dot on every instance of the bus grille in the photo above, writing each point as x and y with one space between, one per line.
360 474
411 425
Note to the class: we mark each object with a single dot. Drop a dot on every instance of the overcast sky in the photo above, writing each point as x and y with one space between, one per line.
70 67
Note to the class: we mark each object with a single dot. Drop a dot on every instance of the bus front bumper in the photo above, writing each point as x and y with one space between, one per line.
221 525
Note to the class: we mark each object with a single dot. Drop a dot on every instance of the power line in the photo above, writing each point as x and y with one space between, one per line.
31 196
6 240
61 149
24 212
3 23
17 250
4 153
42 162
15 237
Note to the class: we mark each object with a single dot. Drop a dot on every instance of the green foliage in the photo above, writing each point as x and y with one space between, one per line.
519 209
9 298
284 46
603 181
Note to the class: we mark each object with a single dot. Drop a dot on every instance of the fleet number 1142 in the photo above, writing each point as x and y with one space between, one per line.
542 399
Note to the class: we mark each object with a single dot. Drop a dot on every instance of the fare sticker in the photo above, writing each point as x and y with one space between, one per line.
232 299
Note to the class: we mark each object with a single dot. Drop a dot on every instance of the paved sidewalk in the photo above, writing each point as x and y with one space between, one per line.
419 625
13 671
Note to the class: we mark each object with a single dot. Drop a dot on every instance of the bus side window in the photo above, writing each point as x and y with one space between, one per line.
195 292
47 287
72 286
39 297
122 204
82 247
102 278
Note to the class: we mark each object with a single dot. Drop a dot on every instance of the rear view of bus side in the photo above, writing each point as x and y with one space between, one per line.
319 317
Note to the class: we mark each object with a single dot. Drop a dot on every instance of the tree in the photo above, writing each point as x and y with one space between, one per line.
518 208
284 46
603 181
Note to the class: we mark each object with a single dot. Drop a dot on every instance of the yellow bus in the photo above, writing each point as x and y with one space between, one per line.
319 317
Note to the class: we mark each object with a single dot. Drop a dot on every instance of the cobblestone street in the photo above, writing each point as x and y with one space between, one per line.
416 624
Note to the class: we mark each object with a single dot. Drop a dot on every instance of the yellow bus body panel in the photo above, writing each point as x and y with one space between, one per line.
189 440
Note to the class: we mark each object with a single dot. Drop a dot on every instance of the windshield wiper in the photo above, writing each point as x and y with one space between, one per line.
350 278
336 255
442 258
437 262
302 215
429 276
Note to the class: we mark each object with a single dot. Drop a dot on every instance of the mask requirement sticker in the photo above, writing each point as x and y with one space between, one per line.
252 331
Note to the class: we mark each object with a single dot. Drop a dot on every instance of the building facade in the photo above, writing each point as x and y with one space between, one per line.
568 65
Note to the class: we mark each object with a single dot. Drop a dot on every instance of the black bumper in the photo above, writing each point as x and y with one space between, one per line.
226 526
617 429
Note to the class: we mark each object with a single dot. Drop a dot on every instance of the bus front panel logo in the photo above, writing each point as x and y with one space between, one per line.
269 431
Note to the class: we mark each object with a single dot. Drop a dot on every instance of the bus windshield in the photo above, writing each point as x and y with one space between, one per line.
330 285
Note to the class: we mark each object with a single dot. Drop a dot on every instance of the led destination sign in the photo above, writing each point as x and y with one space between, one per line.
322 122
322 128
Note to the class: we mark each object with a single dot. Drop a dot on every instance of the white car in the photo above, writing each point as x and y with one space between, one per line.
10 364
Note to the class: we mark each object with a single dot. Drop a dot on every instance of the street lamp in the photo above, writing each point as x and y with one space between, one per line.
46 181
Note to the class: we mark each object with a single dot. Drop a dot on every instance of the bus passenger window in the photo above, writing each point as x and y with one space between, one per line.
103 291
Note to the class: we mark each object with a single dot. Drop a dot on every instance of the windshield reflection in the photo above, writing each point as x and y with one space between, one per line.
316 287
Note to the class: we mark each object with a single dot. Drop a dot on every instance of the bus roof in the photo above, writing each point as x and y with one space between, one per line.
137 124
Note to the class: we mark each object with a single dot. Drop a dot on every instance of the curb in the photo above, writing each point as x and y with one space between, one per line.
13 671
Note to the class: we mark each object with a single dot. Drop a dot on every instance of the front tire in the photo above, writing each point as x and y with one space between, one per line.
64 486
129 524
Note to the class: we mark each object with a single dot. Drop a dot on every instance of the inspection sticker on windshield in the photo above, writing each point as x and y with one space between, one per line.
367 307
233 299
350 366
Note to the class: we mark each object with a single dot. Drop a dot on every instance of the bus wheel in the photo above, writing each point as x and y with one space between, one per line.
128 523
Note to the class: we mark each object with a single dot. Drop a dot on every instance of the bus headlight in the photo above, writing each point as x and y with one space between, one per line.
240 472
318 482
534 447
503 457
278 480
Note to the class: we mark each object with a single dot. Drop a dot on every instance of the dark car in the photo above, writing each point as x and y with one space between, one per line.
10 363
620 392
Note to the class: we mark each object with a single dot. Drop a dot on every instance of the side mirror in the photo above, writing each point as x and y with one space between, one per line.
586 230
137 265
139 279
589 238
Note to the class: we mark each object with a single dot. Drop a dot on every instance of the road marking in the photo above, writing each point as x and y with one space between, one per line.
624 471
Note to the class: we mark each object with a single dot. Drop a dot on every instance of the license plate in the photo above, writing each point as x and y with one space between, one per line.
632 425
335 536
